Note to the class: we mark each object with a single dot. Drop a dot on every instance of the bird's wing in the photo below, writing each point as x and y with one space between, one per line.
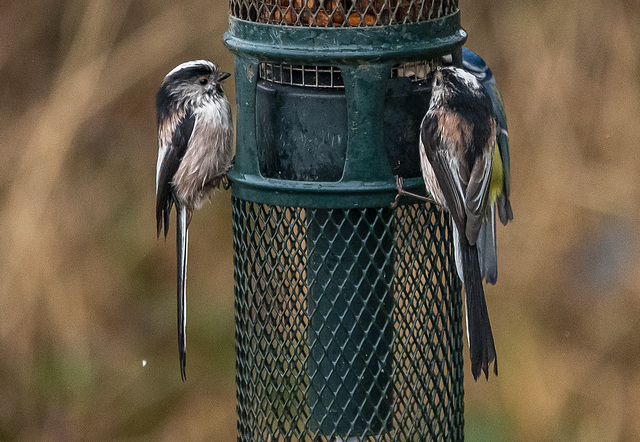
477 193
502 135
445 167
505 212
169 160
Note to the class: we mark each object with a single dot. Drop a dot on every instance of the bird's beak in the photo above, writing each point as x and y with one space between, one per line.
223 76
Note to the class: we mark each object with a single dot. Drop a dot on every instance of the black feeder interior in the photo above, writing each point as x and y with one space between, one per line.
348 311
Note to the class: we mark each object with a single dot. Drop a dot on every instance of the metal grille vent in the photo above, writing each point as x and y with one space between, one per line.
348 324
306 76
341 13
331 77
416 70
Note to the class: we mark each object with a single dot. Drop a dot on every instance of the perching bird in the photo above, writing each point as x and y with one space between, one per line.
473 63
461 171
195 133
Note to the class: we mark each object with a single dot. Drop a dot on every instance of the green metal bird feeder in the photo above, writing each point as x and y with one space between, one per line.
348 311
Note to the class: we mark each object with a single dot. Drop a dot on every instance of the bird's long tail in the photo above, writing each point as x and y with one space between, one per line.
182 246
481 346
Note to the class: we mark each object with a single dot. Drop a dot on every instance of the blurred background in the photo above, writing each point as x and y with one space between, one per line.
87 291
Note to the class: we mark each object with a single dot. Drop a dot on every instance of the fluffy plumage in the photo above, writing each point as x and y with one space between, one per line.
195 133
457 145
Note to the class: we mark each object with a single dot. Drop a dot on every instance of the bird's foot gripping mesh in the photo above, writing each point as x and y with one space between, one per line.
348 324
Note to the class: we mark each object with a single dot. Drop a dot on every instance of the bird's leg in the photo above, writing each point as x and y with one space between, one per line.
402 192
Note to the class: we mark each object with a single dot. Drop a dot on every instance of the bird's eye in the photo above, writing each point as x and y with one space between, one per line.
203 81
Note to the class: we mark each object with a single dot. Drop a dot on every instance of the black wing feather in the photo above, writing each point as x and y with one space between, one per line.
176 150
437 153
477 195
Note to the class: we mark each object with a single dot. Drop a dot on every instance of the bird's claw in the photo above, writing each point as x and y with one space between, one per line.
402 192
226 184
399 183
400 189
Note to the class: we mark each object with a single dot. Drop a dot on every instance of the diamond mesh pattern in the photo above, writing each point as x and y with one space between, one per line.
341 13
348 324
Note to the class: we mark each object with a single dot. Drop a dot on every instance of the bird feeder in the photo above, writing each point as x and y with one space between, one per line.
348 311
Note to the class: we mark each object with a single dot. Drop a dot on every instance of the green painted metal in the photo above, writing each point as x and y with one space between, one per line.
345 45
348 312
365 57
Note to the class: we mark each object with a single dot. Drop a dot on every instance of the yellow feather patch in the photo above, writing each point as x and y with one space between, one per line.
497 176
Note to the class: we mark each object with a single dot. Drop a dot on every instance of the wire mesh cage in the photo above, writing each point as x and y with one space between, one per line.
348 311
381 363
341 13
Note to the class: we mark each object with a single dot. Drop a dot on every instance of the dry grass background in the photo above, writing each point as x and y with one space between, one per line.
86 290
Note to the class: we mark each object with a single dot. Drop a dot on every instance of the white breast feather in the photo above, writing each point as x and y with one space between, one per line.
208 154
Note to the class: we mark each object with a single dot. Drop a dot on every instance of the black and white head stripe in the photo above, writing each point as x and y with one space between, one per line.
453 87
192 83
190 69
459 79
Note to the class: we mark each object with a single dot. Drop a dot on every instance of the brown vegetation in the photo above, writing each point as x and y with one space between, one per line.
86 289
